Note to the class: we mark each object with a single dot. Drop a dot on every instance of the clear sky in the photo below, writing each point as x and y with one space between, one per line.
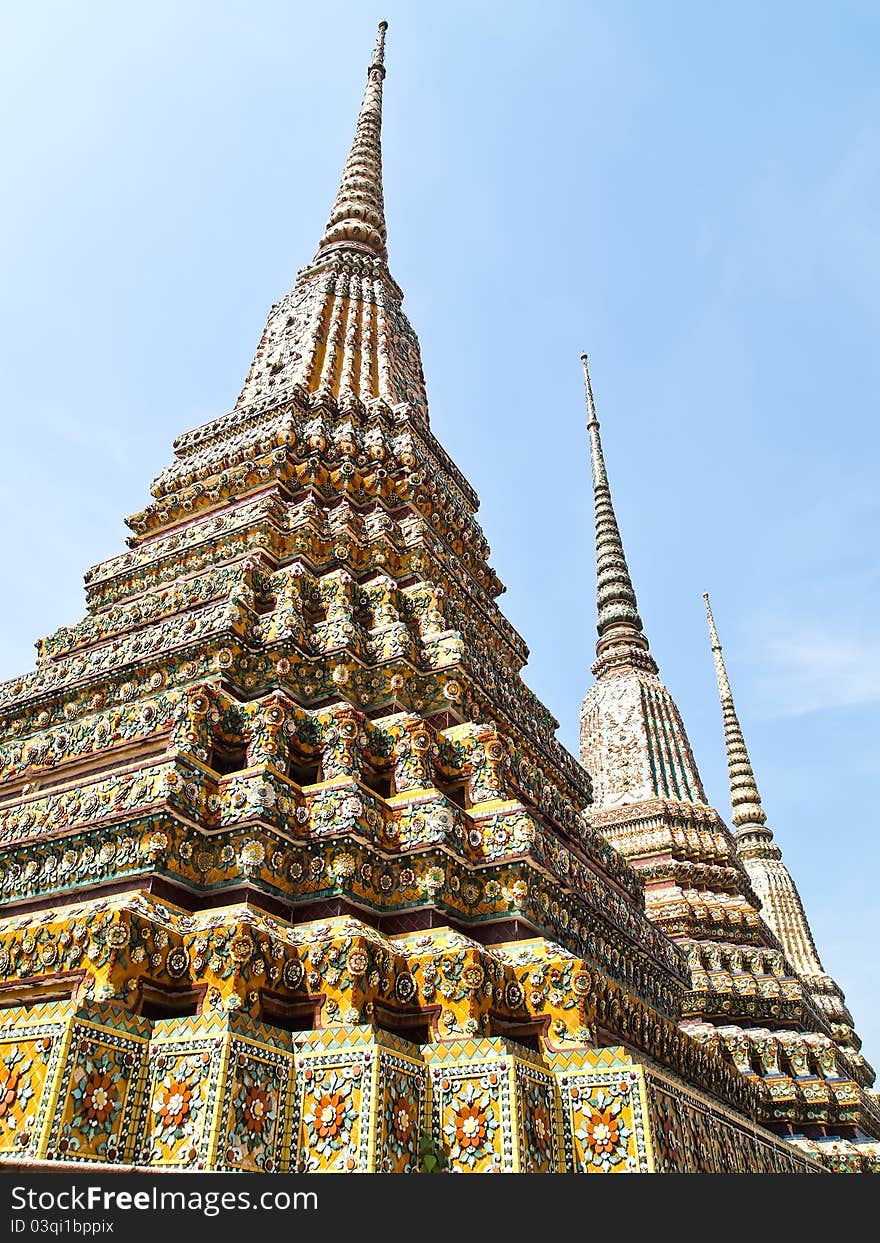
689 192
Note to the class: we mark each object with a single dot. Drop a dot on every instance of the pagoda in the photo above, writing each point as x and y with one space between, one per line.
295 873
758 992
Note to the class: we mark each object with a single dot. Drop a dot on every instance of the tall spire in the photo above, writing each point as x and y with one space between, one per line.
340 334
622 639
358 216
748 816
781 904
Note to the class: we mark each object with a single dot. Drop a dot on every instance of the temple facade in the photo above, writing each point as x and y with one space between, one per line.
295 873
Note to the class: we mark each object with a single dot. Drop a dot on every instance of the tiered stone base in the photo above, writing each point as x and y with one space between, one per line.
88 1083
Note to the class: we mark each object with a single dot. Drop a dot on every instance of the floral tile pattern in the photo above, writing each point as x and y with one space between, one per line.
95 1120
539 1126
403 1120
177 1121
605 1128
336 1094
472 1114
27 1064
219 1090
693 1136
253 1128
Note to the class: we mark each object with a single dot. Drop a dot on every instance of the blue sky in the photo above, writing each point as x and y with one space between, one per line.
690 192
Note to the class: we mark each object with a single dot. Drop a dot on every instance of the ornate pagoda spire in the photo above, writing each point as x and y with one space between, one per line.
749 817
358 215
340 334
633 740
781 904
704 886
622 640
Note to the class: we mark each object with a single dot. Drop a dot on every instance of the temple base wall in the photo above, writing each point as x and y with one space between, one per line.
89 1084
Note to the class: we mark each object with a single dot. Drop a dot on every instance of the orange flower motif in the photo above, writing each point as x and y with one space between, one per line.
603 1131
99 1097
470 1126
8 1091
402 1119
173 1102
330 1114
541 1128
256 1108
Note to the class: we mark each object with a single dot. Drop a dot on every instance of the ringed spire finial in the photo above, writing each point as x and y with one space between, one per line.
781 903
720 670
748 815
588 387
378 61
357 220
622 641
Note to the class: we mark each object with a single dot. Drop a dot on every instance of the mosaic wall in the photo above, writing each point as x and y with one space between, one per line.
72 1082
691 1135
83 1083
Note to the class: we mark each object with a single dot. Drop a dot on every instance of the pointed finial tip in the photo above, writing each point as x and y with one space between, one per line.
592 420
713 633
379 50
